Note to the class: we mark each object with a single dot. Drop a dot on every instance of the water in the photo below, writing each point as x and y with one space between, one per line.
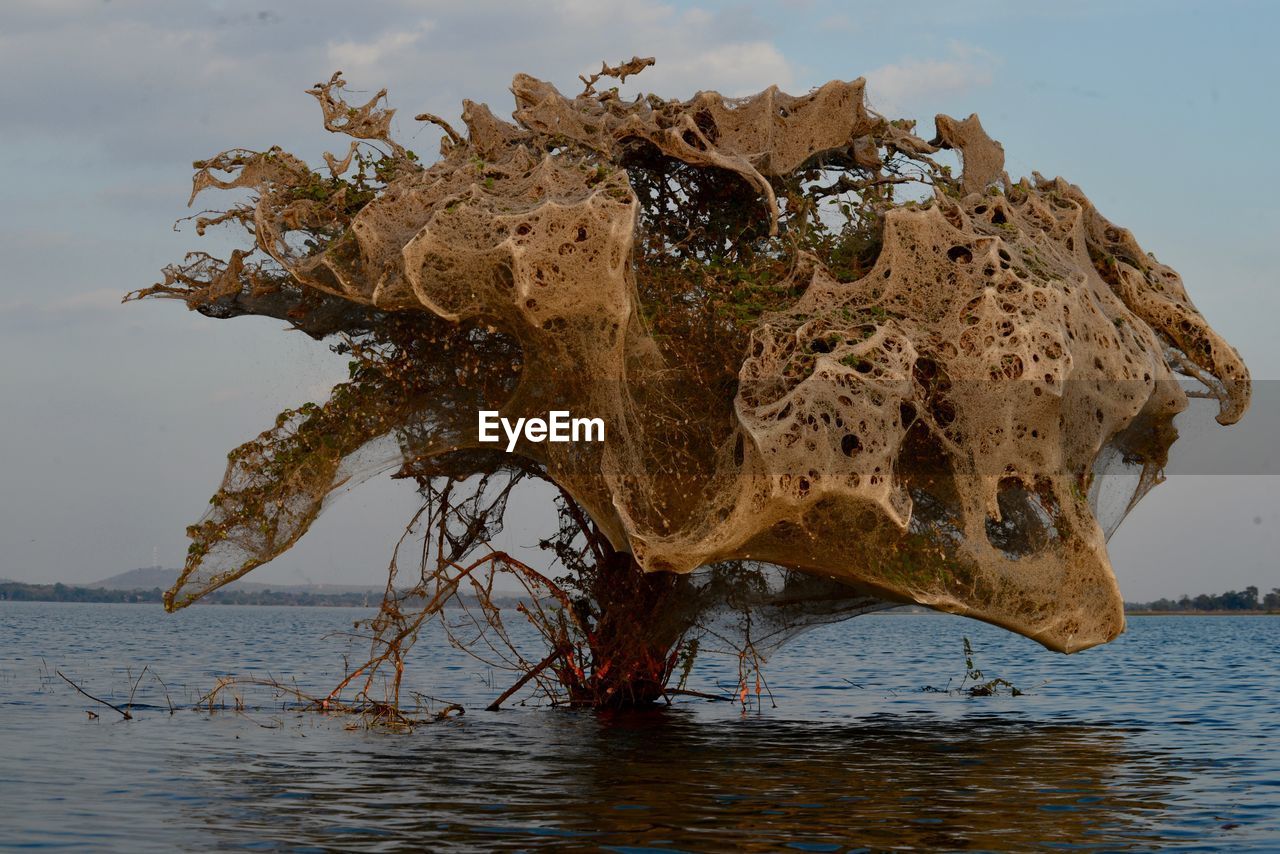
1165 738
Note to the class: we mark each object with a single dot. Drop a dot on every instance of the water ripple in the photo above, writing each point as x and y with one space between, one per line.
1164 739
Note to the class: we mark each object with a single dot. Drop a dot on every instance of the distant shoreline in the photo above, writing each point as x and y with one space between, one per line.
16 591
1222 613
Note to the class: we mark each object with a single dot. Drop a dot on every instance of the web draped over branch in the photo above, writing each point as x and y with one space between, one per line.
832 372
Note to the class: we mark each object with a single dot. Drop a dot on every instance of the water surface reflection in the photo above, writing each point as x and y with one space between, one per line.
666 779
1169 737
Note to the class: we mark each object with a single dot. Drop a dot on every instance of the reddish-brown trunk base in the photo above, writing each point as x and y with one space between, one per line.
634 629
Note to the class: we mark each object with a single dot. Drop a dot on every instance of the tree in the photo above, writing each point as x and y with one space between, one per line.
834 375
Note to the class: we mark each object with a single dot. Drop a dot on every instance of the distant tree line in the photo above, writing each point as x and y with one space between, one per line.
1232 600
15 591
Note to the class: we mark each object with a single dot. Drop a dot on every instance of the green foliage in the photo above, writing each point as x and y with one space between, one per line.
1232 600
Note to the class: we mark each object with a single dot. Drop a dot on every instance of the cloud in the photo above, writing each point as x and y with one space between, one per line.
24 317
143 83
84 302
734 70
367 56
472 51
898 86
95 300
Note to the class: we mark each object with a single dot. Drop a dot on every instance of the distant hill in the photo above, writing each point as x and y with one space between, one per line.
143 578
150 577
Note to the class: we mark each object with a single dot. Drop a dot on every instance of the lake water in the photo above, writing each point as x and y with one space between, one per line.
1165 738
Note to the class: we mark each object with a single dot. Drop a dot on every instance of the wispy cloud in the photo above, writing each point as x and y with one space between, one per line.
95 300
900 85
85 302
733 70
151 82
370 55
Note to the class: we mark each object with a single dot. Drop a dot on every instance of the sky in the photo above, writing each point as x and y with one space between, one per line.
115 420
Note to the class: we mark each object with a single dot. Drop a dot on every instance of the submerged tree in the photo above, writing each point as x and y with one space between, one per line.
834 375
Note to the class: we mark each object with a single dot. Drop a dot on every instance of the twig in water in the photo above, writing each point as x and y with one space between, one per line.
524 680
685 692
127 716
134 689
165 688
